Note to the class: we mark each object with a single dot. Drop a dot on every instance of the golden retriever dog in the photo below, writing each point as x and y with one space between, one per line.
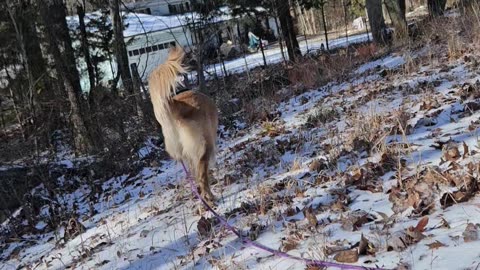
189 120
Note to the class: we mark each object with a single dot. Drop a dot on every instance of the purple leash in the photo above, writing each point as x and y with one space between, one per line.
260 246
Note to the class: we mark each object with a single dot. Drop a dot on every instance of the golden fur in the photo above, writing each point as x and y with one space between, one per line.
189 120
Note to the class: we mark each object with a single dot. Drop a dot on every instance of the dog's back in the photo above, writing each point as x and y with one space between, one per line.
199 113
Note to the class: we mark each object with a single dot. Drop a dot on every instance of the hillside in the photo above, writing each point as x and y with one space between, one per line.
378 169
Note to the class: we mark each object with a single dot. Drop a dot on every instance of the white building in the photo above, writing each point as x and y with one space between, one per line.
159 7
359 23
148 37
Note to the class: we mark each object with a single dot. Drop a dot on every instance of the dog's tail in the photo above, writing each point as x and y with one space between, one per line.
163 81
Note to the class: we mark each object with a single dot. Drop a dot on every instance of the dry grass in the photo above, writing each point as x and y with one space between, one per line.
320 116
304 73
367 130
461 33
411 65
296 165
366 52
272 128
260 92
259 110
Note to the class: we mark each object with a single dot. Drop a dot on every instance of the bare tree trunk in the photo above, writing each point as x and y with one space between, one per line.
324 22
345 18
300 15
259 21
44 91
288 30
472 6
85 46
120 49
263 54
199 60
280 37
397 9
309 21
14 98
53 15
17 113
17 17
376 20
313 22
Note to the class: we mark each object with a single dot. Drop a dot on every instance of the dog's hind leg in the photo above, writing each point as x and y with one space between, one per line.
202 179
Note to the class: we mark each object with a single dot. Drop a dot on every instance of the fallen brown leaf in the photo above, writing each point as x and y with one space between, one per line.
338 206
444 224
312 219
317 166
365 247
414 235
204 227
314 267
451 153
421 224
438 144
467 191
289 244
436 244
384 216
362 220
290 212
398 241
471 233
347 256
465 150
357 175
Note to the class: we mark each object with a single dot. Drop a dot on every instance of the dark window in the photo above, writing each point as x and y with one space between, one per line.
193 40
172 9
187 6
142 50
154 48
172 44
130 53
135 52
161 47
181 8
149 49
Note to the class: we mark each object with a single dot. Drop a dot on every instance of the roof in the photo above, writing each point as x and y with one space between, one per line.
139 23
149 3
136 23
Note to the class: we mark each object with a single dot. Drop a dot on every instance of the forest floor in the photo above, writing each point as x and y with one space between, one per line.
378 169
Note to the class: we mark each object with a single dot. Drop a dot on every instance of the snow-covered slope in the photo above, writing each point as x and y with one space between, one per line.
373 155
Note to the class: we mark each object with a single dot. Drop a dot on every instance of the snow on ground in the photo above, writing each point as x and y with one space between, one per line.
274 55
379 140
